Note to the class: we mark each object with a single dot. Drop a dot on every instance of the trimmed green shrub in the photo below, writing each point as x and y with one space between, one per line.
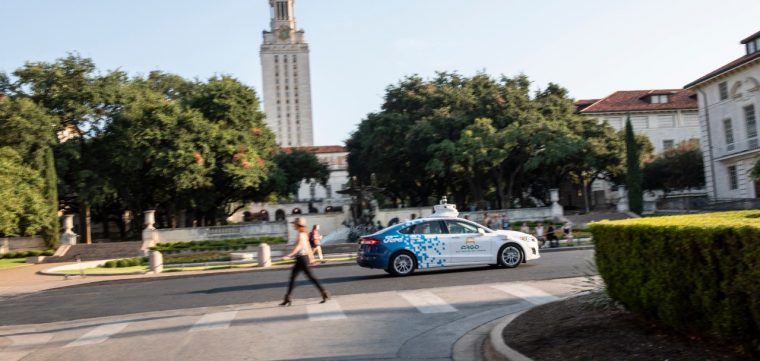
126 262
216 245
693 272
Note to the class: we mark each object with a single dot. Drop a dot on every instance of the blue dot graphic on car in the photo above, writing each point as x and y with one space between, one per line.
427 249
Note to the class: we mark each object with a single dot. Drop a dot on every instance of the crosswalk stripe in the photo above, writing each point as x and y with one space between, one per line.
427 302
329 310
214 321
99 334
528 293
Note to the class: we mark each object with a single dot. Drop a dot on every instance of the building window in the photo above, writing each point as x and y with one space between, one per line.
751 47
733 177
275 58
749 117
668 144
723 90
658 99
728 129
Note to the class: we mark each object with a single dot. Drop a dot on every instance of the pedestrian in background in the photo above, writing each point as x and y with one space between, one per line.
567 230
551 236
315 240
540 234
486 220
524 228
303 257
505 222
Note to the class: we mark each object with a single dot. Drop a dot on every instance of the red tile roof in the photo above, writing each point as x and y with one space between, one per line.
581 102
725 68
317 149
637 100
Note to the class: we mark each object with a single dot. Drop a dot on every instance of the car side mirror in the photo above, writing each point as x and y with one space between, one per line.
481 231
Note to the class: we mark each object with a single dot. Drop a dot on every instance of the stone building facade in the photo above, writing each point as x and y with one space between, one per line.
286 78
729 101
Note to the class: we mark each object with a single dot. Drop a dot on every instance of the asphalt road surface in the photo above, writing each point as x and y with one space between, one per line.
124 298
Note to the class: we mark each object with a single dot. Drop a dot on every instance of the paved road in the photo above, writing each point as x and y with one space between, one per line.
440 323
100 300
438 315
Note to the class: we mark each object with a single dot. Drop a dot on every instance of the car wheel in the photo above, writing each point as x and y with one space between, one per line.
402 264
510 255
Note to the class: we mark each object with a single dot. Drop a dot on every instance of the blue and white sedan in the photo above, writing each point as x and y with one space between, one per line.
443 240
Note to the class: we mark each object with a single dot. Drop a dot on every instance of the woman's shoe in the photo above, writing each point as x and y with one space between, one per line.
286 302
325 296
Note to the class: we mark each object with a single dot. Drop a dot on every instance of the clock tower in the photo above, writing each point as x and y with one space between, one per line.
287 87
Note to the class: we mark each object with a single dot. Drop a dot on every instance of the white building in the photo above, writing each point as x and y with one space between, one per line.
286 78
666 116
729 98
335 158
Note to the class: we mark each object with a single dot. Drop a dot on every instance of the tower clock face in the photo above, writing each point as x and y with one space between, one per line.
284 33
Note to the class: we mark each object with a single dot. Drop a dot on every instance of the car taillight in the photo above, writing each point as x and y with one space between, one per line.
370 241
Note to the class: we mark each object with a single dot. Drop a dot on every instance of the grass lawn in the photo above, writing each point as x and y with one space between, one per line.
12 262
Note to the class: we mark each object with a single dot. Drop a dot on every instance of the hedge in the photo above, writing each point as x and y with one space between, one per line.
23 254
215 245
126 262
691 272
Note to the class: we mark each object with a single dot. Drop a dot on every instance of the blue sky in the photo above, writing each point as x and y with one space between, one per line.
359 47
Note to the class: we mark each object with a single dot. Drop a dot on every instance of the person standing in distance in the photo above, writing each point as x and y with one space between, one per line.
314 241
303 256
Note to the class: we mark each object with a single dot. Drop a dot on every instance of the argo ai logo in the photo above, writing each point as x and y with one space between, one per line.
469 245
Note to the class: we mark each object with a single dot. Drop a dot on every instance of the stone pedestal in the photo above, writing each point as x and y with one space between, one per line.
68 237
265 255
622 204
557 210
156 262
149 232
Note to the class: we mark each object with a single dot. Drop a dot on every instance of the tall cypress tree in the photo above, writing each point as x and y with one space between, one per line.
633 170
51 233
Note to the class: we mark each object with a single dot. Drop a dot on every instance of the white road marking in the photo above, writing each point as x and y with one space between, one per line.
214 321
528 293
329 310
427 302
99 334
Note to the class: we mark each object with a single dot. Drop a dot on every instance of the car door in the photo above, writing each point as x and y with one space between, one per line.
429 242
468 245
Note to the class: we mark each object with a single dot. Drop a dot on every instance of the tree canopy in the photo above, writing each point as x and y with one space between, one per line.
147 142
485 141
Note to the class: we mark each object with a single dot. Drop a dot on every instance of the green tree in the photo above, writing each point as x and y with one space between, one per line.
633 170
241 147
293 167
680 167
23 211
29 130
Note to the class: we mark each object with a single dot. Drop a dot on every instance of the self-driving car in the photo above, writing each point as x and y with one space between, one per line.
442 240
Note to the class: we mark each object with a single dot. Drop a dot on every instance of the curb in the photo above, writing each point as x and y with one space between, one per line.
496 349
562 249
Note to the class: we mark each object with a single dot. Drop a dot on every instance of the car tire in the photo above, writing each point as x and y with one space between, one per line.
401 264
510 255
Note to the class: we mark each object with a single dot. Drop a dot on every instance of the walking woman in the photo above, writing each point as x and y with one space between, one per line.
303 256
